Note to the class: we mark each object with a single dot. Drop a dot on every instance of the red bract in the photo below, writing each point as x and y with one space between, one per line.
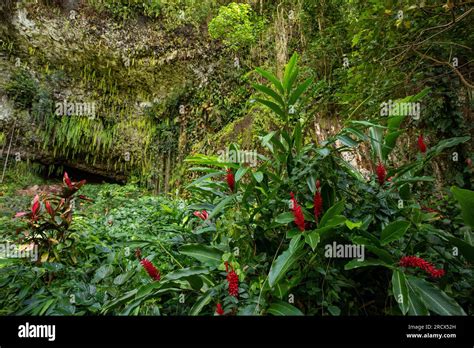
35 208
230 179
85 198
418 262
297 212
233 280
219 309
318 201
151 269
138 253
203 215
381 173
49 209
67 181
421 144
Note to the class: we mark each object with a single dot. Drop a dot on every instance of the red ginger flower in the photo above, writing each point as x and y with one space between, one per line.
35 208
219 309
150 269
230 179
233 280
421 144
381 173
318 201
297 212
67 181
418 262
203 215
49 209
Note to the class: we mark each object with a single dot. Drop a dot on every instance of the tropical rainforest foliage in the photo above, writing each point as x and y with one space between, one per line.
236 158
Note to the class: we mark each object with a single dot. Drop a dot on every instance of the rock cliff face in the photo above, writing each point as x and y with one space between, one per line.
155 91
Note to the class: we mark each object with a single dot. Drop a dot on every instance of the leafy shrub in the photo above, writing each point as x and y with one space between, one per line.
236 25
47 226
22 89
270 222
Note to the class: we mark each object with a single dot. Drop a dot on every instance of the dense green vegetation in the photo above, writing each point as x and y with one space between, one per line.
342 204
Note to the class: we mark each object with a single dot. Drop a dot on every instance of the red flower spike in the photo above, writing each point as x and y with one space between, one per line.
67 181
233 280
418 262
203 215
381 173
35 207
318 184
50 210
297 213
230 179
318 205
151 269
421 144
219 309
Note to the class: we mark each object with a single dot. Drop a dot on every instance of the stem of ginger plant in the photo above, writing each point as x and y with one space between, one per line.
166 251
268 274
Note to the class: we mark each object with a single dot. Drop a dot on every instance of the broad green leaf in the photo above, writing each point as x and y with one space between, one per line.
270 92
299 91
446 143
240 173
347 140
283 308
289 69
465 199
201 302
103 272
282 265
203 253
284 218
376 134
465 248
148 288
434 298
275 108
186 272
389 143
258 176
336 209
219 207
394 122
357 133
394 231
281 288
297 136
400 290
272 78
122 278
351 225
370 262
415 304
128 295
312 239
335 221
